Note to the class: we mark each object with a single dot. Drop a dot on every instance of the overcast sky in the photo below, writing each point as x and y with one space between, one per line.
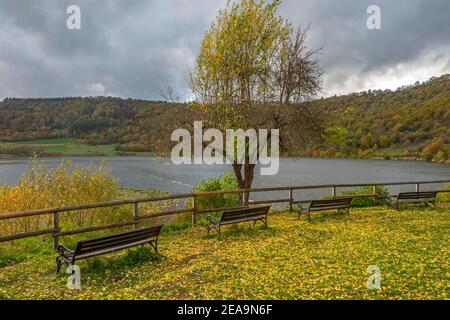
131 48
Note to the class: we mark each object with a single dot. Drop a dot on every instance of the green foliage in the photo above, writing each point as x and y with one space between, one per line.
88 125
23 249
179 224
409 122
336 135
133 124
366 202
444 197
225 182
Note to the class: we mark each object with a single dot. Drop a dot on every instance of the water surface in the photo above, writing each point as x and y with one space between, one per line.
162 174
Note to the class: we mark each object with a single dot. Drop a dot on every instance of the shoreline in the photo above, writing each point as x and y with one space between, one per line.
5 158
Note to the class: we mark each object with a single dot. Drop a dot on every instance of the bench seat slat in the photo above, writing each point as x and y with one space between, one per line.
415 197
237 220
111 249
249 215
239 215
324 208
130 237
110 243
81 249
325 204
152 230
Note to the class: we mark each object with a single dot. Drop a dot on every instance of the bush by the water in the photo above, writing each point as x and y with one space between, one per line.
365 201
222 183
444 197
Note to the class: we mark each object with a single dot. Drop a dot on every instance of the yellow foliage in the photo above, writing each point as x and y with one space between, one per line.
327 258
41 187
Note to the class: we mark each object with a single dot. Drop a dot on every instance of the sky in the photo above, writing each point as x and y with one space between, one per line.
134 48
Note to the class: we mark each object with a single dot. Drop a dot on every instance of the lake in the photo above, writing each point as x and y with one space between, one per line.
162 174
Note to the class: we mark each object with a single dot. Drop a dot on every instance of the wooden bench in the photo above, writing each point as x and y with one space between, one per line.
106 244
414 197
237 216
339 203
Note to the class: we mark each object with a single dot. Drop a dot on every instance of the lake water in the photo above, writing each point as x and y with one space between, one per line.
157 173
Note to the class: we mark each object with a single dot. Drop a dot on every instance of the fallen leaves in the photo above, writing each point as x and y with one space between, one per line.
325 259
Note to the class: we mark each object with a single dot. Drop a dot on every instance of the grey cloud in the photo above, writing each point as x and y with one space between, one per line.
131 48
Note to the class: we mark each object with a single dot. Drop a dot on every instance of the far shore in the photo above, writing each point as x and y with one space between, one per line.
7 158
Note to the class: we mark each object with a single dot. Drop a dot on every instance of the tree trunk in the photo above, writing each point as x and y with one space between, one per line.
244 180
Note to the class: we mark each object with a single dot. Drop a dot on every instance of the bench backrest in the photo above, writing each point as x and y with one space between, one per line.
417 195
244 213
118 239
341 202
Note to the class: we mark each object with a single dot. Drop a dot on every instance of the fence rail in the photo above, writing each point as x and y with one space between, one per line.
194 211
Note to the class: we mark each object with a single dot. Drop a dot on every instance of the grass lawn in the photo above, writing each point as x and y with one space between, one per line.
325 259
72 147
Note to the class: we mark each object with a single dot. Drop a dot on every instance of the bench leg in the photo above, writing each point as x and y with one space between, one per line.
308 214
154 245
59 263
299 214
263 220
209 227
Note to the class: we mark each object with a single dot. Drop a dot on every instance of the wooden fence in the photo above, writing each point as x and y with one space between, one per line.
56 232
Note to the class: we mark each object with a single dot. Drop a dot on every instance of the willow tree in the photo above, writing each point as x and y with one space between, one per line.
252 71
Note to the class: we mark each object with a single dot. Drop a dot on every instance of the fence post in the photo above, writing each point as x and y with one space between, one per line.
417 187
56 229
135 215
194 209
291 200
333 191
374 191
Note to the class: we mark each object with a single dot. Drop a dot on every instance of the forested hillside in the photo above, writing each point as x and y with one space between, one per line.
410 122
133 125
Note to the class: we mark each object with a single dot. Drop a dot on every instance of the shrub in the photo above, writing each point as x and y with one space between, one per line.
444 197
367 202
222 183
364 202
41 187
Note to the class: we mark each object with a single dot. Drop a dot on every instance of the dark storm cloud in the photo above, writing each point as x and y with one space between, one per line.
132 48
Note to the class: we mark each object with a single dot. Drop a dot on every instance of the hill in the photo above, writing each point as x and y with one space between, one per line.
131 125
412 121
